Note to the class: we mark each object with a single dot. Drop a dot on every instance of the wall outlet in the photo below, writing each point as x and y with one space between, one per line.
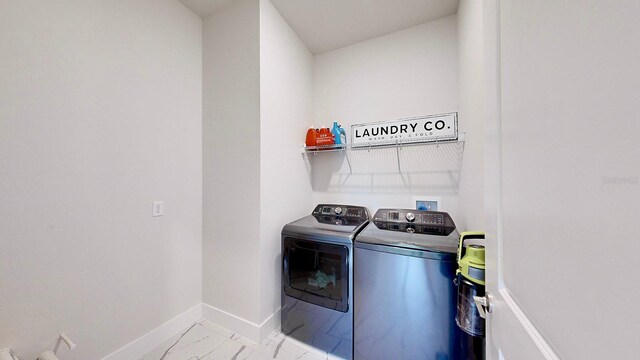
158 208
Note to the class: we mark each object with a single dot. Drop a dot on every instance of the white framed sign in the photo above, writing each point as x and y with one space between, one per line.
413 130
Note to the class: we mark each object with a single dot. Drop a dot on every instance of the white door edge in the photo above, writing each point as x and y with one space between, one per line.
532 331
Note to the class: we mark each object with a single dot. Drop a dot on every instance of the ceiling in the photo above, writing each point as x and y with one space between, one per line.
330 24
204 8
325 25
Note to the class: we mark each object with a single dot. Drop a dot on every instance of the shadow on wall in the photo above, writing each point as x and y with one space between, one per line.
408 169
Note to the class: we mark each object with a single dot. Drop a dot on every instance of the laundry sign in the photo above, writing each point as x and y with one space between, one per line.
414 130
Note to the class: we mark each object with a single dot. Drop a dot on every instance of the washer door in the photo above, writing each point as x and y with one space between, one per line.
316 272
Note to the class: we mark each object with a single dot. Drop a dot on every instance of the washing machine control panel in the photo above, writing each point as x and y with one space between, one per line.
344 211
410 220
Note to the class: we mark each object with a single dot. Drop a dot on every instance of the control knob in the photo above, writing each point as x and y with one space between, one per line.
338 210
410 217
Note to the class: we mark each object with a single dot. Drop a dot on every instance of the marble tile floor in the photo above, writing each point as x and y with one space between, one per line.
206 341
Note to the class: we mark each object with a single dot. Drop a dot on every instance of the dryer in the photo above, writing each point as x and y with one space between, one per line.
317 277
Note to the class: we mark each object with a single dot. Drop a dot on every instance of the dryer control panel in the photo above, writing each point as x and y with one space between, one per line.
346 211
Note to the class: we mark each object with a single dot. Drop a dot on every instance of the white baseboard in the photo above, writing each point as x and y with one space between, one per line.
270 324
245 328
144 344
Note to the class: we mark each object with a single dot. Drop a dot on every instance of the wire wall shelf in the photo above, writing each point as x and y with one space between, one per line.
436 151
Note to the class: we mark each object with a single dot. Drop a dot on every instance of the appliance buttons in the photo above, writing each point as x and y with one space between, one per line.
338 210
410 217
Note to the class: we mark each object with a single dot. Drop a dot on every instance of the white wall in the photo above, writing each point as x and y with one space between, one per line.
286 68
408 73
257 93
100 114
231 147
570 172
471 110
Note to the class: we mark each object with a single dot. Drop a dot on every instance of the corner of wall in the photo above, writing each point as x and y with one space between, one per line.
231 143
286 71
149 341
248 329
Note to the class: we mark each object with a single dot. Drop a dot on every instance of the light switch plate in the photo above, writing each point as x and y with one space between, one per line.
158 208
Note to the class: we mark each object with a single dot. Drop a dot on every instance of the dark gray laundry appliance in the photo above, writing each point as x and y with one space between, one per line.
317 277
405 304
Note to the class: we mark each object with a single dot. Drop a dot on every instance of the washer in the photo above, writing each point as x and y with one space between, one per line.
405 305
317 277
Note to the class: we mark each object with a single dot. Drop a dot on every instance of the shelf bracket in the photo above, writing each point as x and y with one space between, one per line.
398 158
346 154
